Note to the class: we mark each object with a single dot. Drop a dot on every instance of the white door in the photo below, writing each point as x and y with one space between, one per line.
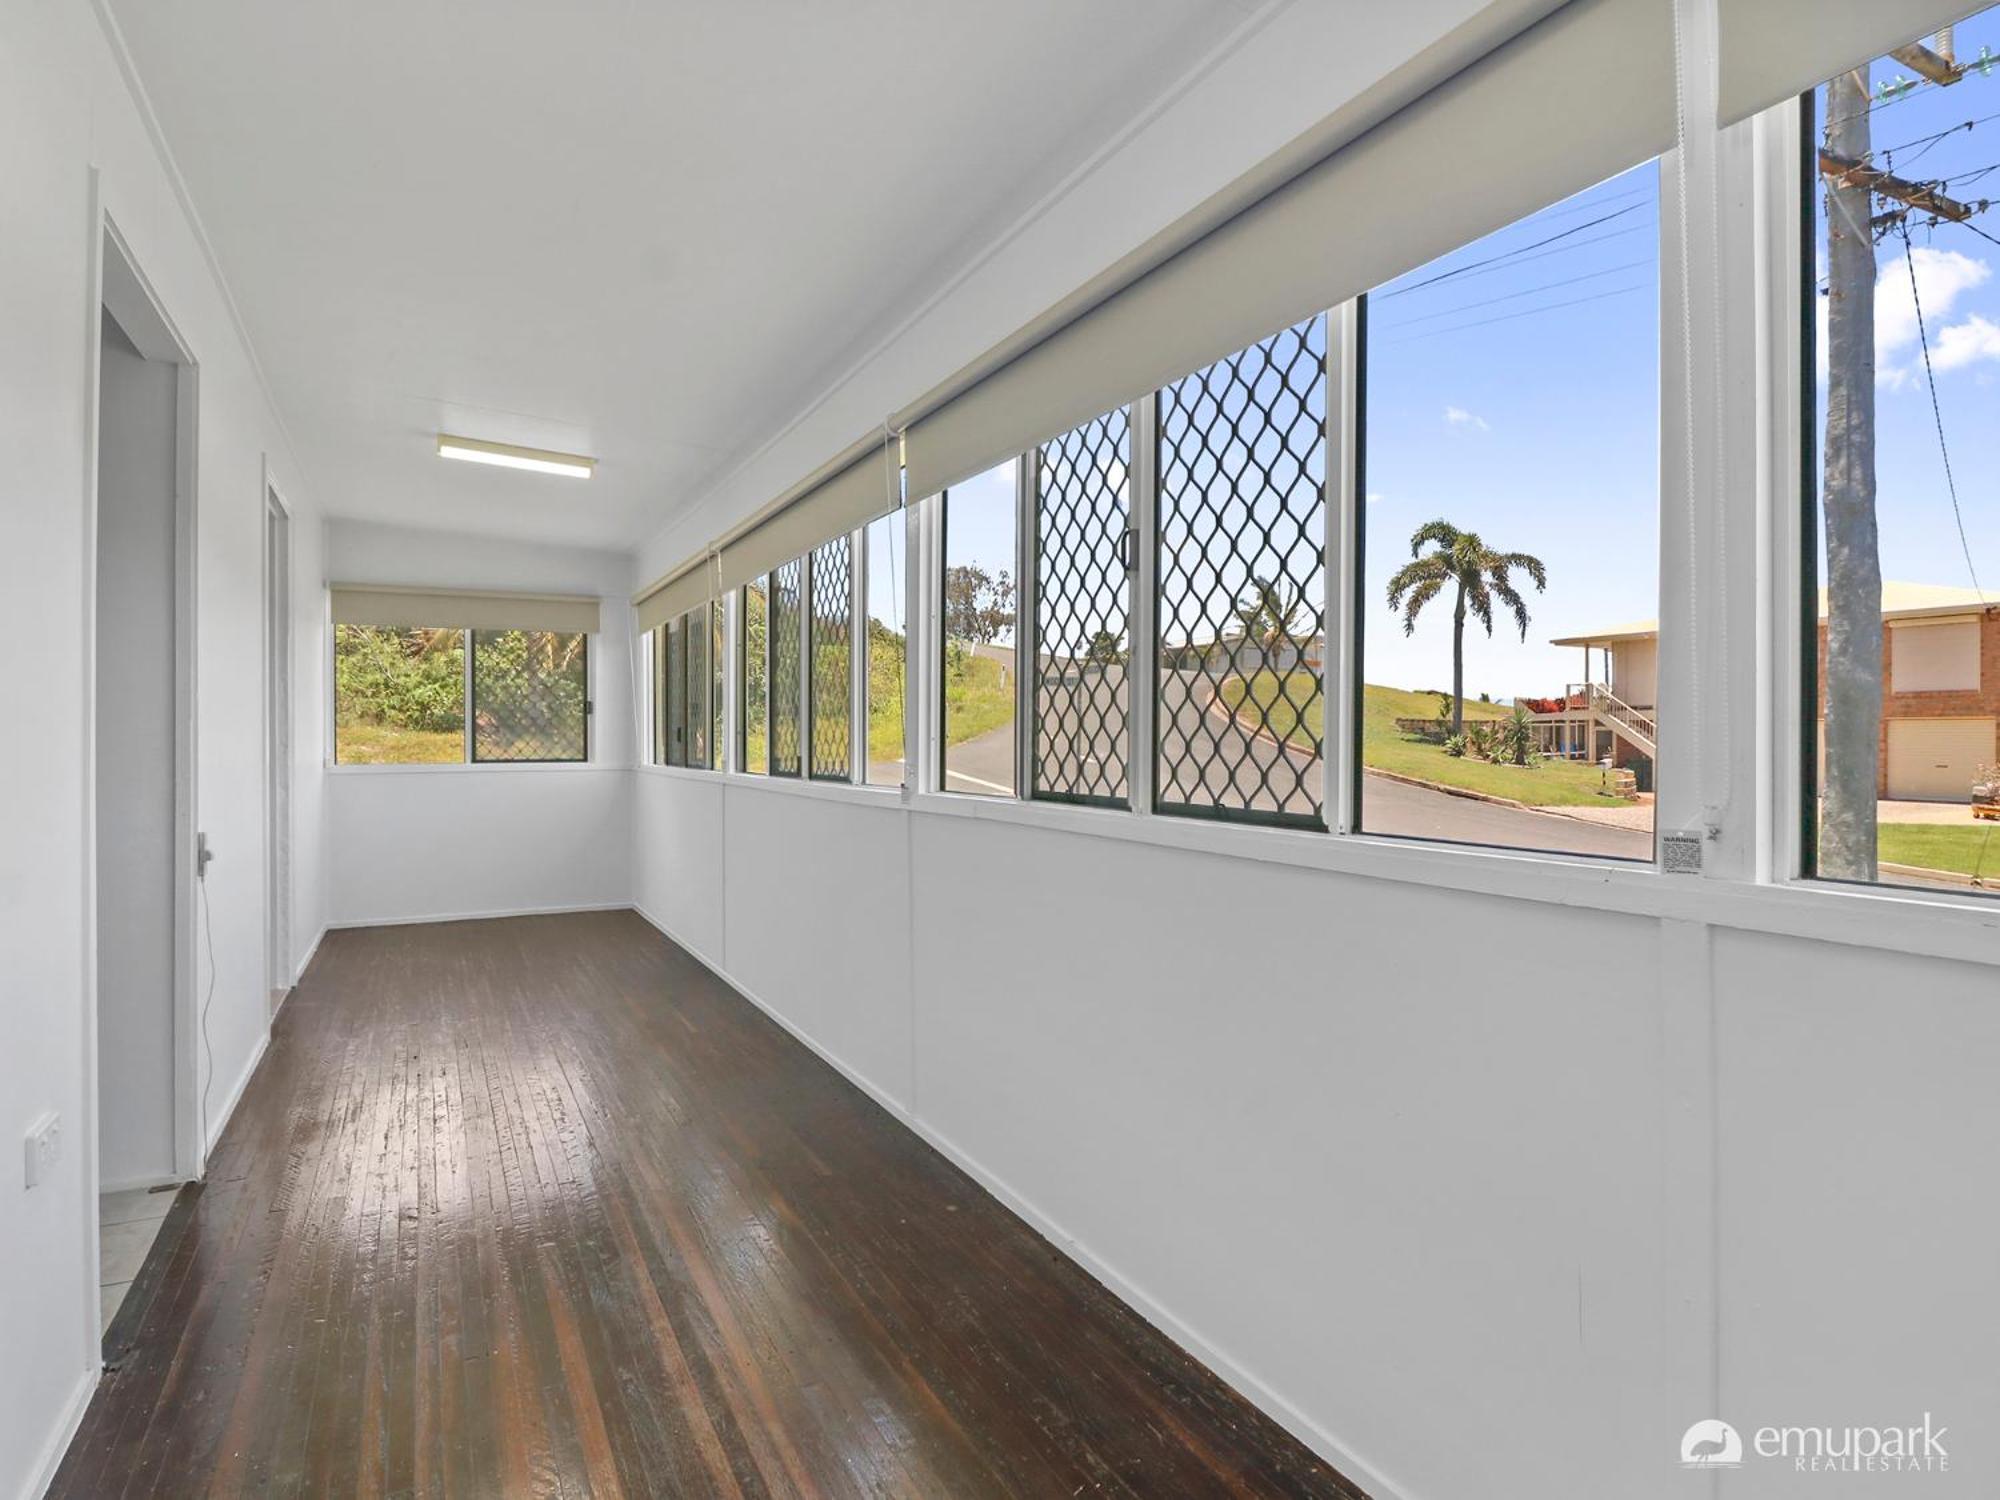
1937 760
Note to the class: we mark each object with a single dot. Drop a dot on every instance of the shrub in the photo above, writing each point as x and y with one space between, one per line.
406 679
1454 745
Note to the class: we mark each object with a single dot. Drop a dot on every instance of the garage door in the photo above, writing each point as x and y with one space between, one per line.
1936 760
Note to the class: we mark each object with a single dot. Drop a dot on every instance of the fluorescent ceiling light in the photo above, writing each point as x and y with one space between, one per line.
507 456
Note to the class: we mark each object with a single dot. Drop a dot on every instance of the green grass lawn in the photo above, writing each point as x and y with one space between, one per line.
1962 849
978 698
886 662
386 745
1384 747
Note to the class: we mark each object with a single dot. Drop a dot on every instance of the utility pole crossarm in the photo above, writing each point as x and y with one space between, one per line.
1932 67
1845 171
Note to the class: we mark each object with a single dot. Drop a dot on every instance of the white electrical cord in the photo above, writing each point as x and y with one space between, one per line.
207 1047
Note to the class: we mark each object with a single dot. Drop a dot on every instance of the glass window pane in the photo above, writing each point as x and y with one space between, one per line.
1510 528
676 693
694 625
756 699
979 564
1899 751
717 661
658 641
399 695
832 628
529 694
1242 593
1083 611
787 586
888 648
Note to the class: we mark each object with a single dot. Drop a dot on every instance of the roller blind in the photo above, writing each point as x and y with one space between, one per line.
678 594
1777 49
408 608
855 496
1578 97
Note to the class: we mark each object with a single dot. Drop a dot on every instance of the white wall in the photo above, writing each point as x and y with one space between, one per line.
65 110
1481 1195
410 843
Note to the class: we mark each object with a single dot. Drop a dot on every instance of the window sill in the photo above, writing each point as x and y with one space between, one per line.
882 797
1938 923
481 767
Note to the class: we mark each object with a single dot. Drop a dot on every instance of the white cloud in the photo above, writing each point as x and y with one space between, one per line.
1373 496
1965 343
1942 276
1458 416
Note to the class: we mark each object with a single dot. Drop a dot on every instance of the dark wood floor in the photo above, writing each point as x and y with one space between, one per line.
540 1207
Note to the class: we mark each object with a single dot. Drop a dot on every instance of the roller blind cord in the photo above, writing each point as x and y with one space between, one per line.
1713 752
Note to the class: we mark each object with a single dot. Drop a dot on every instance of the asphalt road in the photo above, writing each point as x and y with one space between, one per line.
1225 764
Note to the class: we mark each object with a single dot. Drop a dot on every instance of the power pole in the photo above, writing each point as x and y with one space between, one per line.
1852 692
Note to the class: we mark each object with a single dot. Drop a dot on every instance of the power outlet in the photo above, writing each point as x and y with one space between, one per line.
44 1147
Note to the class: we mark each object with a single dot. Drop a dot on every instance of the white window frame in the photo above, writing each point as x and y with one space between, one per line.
592 667
1730 588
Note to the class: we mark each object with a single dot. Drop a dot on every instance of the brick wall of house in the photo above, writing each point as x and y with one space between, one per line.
1982 704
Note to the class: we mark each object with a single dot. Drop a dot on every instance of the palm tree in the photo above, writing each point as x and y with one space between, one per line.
1481 575
1268 613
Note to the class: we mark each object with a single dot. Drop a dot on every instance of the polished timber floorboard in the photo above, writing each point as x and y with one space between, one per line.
541 1207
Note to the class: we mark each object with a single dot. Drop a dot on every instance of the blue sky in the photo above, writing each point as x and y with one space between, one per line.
1513 390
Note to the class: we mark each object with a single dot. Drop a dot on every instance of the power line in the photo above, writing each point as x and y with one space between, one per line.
1935 136
1937 414
1547 286
1910 89
1566 248
1504 255
1617 291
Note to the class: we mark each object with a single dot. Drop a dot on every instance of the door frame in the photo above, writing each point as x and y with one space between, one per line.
117 282
280 660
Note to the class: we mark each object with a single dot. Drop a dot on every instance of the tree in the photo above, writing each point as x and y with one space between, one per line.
1270 614
1480 575
1103 650
1853 691
978 607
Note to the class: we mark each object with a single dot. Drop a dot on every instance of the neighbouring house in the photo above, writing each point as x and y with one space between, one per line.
1940 693
1232 653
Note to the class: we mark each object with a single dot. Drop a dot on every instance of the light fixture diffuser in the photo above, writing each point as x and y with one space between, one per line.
509 456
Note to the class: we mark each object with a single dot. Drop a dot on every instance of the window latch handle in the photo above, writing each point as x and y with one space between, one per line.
1128 548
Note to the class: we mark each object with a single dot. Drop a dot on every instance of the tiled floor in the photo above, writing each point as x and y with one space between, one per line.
127 1224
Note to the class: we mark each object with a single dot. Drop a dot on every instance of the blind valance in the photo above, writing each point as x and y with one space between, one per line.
1583 94
856 495
399 607
676 594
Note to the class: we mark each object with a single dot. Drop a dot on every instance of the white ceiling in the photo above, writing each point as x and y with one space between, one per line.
651 232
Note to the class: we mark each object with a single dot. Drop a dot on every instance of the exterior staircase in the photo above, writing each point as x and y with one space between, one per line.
1631 723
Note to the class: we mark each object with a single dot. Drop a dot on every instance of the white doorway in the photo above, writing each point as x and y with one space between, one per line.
278 744
144 1129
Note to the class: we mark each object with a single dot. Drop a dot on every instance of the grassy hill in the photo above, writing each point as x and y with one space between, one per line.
1545 783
